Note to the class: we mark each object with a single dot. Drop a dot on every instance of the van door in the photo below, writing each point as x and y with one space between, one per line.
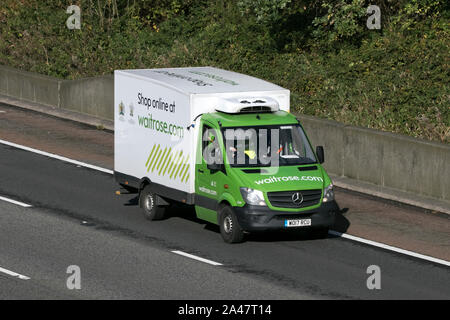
207 188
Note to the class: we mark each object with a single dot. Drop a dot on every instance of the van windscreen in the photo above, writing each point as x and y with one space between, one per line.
263 146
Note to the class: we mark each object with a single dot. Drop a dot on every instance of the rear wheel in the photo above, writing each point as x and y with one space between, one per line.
230 229
147 200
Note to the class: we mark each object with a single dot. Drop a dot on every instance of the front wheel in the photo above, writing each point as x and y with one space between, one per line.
230 229
147 200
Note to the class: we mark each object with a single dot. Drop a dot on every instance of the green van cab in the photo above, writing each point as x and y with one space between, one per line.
254 195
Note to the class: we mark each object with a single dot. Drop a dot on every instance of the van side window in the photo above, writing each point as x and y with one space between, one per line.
210 147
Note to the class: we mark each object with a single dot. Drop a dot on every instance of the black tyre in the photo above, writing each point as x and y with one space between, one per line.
230 229
147 200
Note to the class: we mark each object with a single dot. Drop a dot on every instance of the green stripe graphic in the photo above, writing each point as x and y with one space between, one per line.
168 161
164 162
172 162
153 159
184 165
162 158
156 161
185 172
153 149
175 164
178 169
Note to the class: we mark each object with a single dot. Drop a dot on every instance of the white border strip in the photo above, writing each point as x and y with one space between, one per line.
334 233
16 202
55 156
181 253
13 274
391 248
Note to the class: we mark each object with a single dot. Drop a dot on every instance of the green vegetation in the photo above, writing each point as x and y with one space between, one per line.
394 79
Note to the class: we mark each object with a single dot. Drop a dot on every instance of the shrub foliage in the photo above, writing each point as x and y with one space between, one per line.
394 79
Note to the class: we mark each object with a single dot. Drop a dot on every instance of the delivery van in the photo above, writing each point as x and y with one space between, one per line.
222 142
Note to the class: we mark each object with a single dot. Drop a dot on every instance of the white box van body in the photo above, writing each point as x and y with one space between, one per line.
165 121
154 109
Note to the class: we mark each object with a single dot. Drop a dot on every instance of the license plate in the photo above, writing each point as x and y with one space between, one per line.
297 223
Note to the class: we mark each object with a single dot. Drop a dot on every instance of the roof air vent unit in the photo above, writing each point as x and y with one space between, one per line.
248 105
256 109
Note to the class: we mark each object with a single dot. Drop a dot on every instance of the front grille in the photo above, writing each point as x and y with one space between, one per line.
283 199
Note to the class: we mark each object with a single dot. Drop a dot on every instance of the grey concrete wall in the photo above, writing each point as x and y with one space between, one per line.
29 86
381 158
91 96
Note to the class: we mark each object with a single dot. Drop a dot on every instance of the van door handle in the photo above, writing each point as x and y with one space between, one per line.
201 171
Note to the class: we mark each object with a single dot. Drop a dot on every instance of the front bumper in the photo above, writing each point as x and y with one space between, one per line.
257 218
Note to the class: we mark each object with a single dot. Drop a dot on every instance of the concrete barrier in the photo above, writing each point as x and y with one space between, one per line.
29 86
380 158
91 96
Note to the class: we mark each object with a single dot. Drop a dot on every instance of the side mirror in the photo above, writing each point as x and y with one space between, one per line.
214 167
320 154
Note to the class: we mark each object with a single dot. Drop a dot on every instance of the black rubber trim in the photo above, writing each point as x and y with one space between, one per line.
159 189
121 178
205 202
258 218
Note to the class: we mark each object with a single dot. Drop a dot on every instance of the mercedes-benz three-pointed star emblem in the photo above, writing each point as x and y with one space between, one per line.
297 198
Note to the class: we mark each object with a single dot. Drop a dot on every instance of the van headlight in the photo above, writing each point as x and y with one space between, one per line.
328 194
253 197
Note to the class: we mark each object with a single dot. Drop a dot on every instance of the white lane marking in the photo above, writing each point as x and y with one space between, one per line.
14 274
391 248
197 258
335 233
16 202
55 156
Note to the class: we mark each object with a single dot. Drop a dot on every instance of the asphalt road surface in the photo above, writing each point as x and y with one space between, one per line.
77 218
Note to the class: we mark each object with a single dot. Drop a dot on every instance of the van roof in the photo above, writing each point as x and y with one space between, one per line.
204 80
251 119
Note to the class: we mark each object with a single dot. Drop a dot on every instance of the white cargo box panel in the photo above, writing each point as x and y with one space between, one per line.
154 108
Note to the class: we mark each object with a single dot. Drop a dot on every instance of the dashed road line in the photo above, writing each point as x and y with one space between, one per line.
16 202
332 232
14 274
181 253
390 248
55 156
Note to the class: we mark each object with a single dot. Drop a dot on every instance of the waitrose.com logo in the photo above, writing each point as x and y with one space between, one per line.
161 126
274 179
